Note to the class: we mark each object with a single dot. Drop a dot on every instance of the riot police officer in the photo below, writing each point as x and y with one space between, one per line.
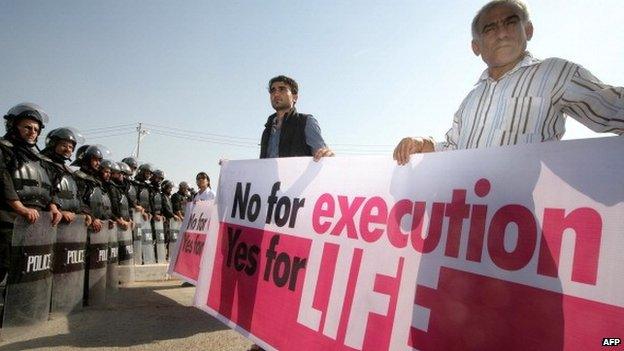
156 196
167 211
120 212
25 183
60 144
92 194
132 163
179 199
142 177
129 166
167 188
126 186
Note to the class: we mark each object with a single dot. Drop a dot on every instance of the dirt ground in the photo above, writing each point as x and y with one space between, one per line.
142 316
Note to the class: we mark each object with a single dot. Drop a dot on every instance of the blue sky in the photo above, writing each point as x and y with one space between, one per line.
371 72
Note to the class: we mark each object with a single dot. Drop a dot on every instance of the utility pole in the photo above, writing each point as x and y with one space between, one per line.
140 134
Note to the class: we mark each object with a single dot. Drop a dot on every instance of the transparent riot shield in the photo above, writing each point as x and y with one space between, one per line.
126 255
69 266
137 234
29 284
112 274
174 232
97 258
161 249
147 243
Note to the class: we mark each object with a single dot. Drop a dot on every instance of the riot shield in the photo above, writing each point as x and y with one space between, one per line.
97 258
147 243
112 274
174 232
29 284
126 254
159 234
69 266
137 234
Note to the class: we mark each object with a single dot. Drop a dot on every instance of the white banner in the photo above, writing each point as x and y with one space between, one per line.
516 246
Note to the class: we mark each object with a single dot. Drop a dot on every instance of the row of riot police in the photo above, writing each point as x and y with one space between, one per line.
72 225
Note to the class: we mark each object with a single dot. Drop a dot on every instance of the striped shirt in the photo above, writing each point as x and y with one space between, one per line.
529 104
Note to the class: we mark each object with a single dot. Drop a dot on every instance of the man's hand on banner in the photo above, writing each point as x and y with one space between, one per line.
408 146
323 152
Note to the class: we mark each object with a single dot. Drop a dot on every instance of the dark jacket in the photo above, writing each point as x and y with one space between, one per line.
178 202
292 141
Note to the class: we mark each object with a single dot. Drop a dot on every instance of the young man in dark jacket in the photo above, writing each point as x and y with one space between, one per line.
288 133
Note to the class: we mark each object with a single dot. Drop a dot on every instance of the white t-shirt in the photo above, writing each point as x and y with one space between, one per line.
206 195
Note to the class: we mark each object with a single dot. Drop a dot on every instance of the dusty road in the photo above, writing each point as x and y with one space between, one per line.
142 316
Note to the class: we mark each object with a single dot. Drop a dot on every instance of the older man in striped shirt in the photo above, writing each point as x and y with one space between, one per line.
518 98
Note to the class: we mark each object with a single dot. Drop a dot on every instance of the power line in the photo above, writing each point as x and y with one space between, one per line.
120 130
108 136
206 140
205 137
88 130
166 128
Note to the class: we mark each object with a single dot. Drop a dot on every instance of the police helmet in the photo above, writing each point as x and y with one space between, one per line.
110 165
26 110
131 161
79 154
64 133
146 167
159 174
125 168
97 151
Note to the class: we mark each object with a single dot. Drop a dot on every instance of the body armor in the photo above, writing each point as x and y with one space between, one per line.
144 198
167 203
100 204
131 191
157 202
67 197
32 184
124 208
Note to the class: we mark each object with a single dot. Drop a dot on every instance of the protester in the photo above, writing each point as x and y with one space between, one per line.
205 193
288 133
518 98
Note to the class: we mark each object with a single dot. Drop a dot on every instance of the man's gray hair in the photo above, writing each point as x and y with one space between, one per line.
521 6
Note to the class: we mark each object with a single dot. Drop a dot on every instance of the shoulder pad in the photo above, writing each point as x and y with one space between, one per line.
5 142
45 158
